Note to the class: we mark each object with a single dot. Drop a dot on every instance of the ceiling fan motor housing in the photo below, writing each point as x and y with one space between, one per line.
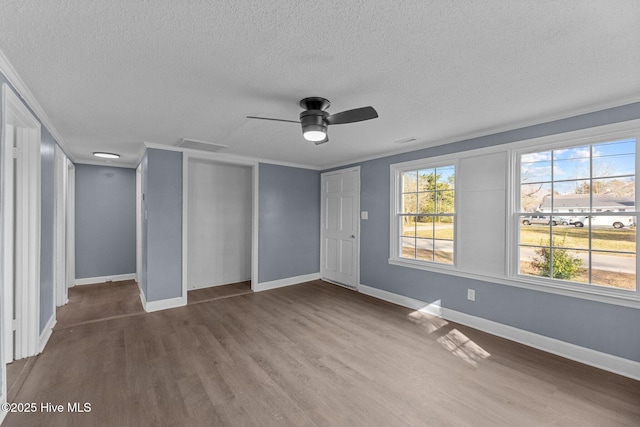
314 120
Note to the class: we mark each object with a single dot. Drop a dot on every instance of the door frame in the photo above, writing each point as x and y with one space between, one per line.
61 205
188 204
255 177
357 222
71 225
139 224
15 114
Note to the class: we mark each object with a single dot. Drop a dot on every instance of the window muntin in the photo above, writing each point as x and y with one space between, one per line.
426 214
591 188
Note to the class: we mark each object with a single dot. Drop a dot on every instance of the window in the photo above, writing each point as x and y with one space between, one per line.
423 221
590 239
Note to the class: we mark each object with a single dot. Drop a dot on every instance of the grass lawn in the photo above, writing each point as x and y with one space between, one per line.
606 239
609 239
443 231
598 277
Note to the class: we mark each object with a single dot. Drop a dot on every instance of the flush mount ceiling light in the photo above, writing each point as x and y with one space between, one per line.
104 155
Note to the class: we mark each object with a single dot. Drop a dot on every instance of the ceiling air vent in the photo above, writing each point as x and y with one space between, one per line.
201 145
405 140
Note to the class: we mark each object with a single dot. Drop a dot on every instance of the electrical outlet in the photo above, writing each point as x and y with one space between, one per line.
471 294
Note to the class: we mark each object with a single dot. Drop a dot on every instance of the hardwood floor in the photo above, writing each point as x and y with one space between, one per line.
312 354
218 292
99 302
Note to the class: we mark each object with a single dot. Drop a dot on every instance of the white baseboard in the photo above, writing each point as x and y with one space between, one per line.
163 304
46 333
103 279
608 362
285 282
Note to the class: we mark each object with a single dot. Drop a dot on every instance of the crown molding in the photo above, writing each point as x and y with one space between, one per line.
225 157
422 143
32 103
101 163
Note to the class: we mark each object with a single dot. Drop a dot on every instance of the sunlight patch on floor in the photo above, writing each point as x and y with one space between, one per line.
429 322
454 341
461 346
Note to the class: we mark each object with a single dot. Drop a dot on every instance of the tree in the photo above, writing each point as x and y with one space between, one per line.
531 196
561 262
616 187
426 192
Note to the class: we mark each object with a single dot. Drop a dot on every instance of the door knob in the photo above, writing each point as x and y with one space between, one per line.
353 236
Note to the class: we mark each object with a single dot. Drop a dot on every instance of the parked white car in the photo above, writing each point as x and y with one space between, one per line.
604 221
544 220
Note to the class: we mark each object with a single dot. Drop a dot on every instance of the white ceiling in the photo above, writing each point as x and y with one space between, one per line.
111 75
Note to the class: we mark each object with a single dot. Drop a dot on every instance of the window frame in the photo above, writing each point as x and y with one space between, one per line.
557 142
396 171
506 276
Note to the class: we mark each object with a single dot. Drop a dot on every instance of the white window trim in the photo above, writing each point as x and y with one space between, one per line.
396 170
593 293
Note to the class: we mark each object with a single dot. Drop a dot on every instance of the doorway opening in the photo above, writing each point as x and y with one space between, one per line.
219 229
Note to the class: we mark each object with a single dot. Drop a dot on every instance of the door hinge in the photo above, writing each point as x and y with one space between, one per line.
16 152
14 324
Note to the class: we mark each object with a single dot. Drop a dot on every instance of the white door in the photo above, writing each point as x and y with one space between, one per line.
340 252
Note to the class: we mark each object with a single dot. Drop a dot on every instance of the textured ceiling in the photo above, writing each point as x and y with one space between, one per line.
113 74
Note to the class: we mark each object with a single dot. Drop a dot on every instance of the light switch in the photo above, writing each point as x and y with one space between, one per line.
364 215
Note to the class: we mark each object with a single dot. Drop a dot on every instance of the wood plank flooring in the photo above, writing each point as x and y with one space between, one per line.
312 354
218 292
98 302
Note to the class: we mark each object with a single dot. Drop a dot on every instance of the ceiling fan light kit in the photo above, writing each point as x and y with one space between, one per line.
315 120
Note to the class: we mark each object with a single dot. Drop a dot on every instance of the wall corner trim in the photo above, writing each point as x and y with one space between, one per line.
103 279
608 362
265 286
46 333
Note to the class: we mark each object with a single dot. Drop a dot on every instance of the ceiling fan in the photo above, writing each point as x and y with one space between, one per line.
315 119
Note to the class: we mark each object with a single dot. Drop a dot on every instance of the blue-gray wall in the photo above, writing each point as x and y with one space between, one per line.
162 228
289 222
47 213
603 327
105 221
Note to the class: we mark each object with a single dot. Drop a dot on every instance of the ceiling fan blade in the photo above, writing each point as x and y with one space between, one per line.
352 116
326 139
273 120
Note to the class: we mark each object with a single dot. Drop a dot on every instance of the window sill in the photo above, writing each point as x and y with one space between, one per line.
422 265
629 299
